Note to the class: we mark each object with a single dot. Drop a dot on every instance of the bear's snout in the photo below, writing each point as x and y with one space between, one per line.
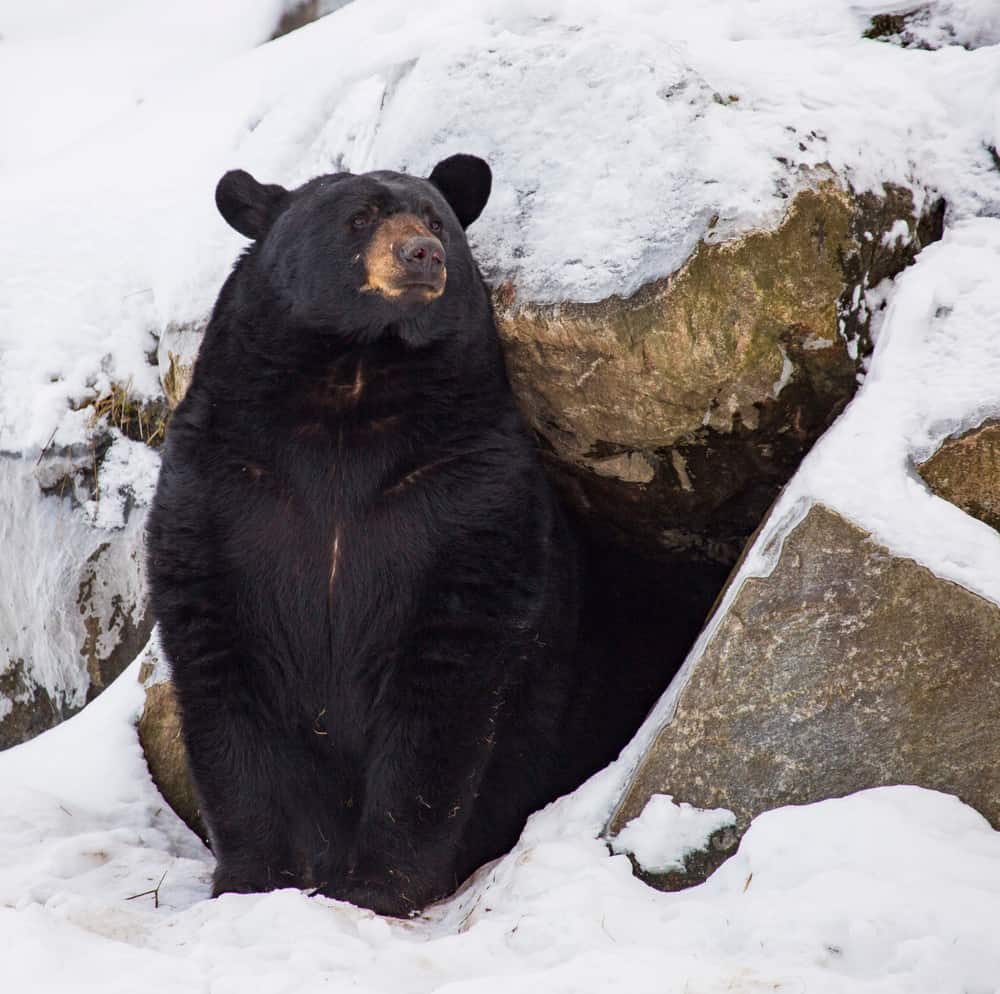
404 262
422 259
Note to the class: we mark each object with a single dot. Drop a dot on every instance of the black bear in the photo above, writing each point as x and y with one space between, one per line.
365 587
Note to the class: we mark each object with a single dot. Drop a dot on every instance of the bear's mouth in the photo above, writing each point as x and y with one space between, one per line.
410 291
434 289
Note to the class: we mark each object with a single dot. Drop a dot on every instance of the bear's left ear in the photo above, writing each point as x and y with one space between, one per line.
248 206
465 181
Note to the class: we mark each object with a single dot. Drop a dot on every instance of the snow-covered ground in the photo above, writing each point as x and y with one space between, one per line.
893 890
616 133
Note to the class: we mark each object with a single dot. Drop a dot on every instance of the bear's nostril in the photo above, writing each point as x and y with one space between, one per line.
423 255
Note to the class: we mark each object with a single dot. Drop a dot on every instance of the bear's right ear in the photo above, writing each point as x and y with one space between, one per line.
465 181
248 206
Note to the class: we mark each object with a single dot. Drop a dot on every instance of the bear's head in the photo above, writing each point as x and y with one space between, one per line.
355 255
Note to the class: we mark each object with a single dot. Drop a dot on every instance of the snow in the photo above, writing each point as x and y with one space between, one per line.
665 832
115 54
890 890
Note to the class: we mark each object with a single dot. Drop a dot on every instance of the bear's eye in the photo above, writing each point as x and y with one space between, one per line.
435 225
360 220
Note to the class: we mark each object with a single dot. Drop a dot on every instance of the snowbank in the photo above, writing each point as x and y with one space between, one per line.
86 63
892 890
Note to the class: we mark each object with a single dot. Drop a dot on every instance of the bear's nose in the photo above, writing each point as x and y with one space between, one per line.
423 258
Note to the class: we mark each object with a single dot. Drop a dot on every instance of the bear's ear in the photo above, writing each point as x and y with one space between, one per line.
465 181
248 206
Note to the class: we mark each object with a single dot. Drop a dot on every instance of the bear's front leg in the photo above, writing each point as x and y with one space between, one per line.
259 788
432 735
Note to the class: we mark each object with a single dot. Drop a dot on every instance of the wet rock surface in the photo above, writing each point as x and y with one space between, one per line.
846 668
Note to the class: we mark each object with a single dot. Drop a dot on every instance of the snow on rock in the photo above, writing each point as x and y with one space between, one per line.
970 23
618 137
891 890
934 373
665 832
73 613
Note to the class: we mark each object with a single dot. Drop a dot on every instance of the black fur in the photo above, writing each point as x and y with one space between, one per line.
364 585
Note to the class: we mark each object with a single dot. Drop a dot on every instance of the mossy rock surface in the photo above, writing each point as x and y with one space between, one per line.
678 413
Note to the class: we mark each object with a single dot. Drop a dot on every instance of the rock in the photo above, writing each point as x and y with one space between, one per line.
966 471
176 352
846 668
297 16
699 864
669 843
74 610
305 12
678 413
932 26
894 27
116 618
163 747
25 708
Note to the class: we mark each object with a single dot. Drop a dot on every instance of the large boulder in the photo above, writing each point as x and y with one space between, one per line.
678 413
847 667
856 645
